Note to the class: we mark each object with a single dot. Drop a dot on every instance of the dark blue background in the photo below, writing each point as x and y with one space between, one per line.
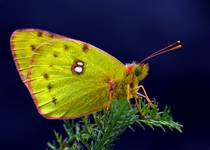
129 30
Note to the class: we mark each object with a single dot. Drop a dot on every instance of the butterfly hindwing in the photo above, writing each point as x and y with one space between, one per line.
68 78
23 44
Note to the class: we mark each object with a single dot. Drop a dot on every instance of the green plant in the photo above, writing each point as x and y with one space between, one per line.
99 130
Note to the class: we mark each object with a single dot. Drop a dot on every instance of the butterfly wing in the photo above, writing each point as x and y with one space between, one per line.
23 44
68 78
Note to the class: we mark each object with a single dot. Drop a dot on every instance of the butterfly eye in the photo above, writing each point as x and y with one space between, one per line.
137 70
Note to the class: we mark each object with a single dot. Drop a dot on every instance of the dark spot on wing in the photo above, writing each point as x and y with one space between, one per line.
49 87
51 35
39 34
55 54
54 100
78 67
66 47
46 76
33 47
85 48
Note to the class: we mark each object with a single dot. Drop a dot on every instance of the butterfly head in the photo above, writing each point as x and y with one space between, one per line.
138 71
141 70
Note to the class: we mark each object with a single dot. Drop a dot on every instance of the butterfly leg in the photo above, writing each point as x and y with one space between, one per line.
145 94
138 105
128 92
108 104
129 95
111 88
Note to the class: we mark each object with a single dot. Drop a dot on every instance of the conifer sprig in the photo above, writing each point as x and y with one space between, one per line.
99 130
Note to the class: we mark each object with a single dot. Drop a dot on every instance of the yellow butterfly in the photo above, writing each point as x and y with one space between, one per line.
68 78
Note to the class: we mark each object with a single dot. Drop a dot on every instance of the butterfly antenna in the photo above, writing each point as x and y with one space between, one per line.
171 47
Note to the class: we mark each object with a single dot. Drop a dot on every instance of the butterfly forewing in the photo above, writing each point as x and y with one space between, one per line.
68 78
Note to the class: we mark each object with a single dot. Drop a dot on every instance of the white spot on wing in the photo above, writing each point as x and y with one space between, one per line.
78 69
80 63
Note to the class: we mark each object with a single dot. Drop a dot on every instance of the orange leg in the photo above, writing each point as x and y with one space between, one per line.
145 94
141 95
109 101
138 105
128 92
129 95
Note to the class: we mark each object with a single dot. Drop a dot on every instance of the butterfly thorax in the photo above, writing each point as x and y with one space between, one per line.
133 74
